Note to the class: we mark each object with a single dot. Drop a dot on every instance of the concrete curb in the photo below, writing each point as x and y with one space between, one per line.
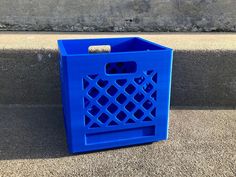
200 77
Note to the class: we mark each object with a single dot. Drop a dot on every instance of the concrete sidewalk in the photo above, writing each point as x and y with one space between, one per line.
177 41
201 143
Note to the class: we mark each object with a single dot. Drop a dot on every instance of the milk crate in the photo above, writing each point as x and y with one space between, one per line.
114 98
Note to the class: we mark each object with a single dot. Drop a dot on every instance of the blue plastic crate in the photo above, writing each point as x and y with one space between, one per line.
114 99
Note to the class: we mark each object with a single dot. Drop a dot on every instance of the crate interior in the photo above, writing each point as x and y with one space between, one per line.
80 46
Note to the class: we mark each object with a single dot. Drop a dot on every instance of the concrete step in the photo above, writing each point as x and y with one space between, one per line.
201 143
203 71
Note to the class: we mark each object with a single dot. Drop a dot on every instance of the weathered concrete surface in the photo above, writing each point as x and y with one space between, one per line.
201 143
203 71
116 15
177 41
204 78
29 77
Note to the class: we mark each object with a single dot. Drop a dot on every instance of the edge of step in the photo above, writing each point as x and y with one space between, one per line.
177 41
203 70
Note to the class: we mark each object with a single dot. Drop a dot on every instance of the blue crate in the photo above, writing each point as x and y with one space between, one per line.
114 99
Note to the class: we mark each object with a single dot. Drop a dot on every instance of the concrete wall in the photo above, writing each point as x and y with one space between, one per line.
117 15
200 78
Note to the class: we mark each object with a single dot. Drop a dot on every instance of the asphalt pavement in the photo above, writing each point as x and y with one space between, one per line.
201 143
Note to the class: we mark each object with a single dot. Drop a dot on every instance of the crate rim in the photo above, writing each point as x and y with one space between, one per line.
64 53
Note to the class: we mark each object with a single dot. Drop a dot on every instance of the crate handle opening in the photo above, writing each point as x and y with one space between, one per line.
99 49
127 67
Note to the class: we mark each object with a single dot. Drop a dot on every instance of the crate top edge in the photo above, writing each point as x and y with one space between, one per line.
63 51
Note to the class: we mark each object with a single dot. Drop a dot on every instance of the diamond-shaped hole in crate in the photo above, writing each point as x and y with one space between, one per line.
149 72
130 89
154 95
139 80
85 83
112 90
139 97
130 121
92 76
102 83
103 100
93 110
94 125
147 87
103 118
112 123
86 120
146 119
112 108
154 78
130 106
138 114
121 116
93 92
86 102
147 104
121 82
121 98
153 112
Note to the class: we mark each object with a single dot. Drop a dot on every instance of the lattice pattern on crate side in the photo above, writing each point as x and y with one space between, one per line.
121 101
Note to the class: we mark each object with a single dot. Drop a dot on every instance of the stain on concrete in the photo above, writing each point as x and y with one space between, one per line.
39 57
